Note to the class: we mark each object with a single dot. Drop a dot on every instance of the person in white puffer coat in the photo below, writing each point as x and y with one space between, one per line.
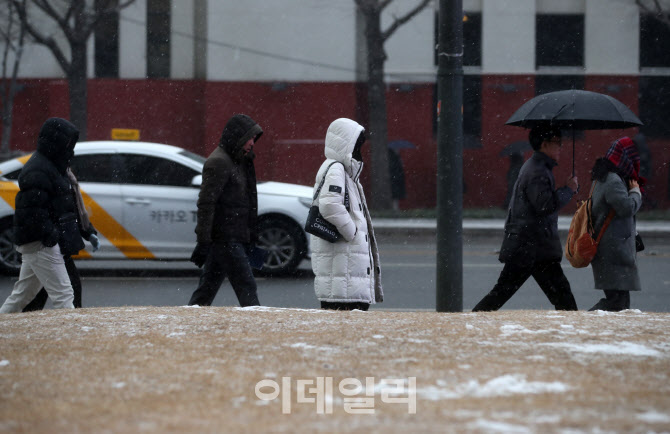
347 272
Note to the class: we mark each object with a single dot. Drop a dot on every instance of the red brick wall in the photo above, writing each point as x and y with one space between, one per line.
295 117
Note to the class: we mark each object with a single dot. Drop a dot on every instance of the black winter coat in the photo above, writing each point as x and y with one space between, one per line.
45 193
531 228
227 203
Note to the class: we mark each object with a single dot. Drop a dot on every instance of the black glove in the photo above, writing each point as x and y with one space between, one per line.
199 255
51 239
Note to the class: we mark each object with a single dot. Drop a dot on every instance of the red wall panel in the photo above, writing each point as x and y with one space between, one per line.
295 117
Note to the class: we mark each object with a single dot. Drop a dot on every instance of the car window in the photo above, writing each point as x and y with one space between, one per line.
195 157
147 170
94 168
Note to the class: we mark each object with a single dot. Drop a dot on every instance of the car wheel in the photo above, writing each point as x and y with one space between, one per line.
10 259
285 243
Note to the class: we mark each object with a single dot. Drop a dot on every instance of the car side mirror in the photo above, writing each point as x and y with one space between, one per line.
196 181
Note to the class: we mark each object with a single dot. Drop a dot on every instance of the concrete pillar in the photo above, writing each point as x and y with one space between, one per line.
133 41
508 36
612 38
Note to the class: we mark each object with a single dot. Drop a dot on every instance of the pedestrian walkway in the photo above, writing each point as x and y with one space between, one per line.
496 226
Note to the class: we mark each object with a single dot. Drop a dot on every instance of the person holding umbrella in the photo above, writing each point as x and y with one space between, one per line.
531 246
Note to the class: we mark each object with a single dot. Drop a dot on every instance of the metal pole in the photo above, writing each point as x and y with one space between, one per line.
449 279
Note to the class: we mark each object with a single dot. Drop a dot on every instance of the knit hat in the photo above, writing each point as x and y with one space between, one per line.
623 154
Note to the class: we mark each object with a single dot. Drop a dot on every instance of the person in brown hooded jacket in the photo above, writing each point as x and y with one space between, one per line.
227 214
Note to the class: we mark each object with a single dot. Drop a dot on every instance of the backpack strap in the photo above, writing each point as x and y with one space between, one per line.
607 221
589 217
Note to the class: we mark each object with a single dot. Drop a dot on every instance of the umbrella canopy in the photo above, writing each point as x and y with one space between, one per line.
575 109
518 147
401 144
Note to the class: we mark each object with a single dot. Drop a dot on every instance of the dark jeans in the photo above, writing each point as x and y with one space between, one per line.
226 259
614 301
344 306
41 298
549 276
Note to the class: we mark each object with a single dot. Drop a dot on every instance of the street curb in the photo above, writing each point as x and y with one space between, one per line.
495 227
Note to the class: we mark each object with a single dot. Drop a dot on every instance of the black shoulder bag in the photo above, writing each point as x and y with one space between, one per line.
69 239
316 224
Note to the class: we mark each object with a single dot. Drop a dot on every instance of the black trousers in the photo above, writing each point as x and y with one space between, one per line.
549 276
41 298
226 259
344 306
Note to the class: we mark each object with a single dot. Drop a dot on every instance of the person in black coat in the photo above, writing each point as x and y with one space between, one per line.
227 214
531 246
45 219
89 233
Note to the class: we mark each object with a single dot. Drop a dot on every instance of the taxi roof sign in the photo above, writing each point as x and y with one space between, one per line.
125 134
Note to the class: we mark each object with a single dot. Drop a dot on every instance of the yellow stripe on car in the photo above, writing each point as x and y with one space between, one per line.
114 232
8 192
103 222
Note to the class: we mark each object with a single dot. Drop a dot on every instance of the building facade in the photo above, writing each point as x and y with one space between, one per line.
177 70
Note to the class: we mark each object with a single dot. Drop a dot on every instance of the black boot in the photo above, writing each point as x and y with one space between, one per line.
614 301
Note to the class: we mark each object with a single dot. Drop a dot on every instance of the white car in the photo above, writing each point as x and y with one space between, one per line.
141 198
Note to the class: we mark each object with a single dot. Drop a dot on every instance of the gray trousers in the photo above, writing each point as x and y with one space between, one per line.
43 267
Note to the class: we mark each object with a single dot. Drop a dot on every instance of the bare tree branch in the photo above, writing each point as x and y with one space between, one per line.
658 12
62 21
384 3
402 20
47 41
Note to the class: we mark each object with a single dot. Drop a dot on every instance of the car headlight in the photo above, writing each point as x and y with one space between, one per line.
307 201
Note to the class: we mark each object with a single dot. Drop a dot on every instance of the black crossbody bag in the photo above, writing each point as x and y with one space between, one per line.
316 224
69 239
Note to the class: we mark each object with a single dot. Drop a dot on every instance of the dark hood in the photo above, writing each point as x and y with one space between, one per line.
239 129
602 168
57 140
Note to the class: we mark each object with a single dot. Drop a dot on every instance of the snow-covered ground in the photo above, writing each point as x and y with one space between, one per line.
191 369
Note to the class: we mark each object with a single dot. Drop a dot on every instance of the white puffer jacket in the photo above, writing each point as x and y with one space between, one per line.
346 271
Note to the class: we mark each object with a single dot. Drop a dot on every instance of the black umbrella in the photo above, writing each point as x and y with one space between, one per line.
575 110
518 147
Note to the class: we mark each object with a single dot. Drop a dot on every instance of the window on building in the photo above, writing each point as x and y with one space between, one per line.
472 38
158 38
654 107
559 40
654 42
106 40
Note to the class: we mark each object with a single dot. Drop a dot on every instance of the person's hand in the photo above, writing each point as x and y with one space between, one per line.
573 183
633 184
199 255
95 242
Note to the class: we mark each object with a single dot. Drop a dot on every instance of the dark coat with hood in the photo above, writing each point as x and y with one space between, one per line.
228 204
45 193
531 228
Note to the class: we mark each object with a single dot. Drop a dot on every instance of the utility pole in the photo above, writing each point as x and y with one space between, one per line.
449 279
